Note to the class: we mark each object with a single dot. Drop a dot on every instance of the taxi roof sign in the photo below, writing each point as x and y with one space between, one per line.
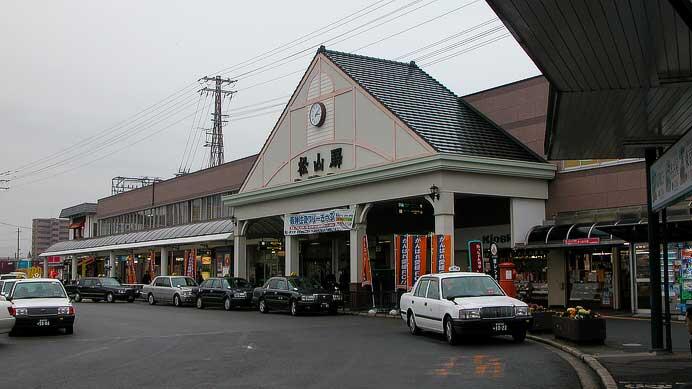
454 269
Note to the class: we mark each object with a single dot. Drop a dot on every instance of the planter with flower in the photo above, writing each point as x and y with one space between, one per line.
542 319
579 325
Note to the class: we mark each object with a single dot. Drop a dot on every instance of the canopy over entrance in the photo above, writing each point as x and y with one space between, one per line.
620 72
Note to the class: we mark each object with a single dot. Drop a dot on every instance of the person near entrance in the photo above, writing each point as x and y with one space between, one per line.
146 278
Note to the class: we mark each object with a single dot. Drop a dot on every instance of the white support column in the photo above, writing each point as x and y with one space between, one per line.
292 258
111 264
45 266
355 251
239 256
444 217
164 262
74 268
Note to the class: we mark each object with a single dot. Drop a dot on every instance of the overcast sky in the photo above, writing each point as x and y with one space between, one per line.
75 73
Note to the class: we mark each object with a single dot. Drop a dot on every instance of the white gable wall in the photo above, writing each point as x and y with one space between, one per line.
367 133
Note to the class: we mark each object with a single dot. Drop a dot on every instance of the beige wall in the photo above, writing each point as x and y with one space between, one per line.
366 132
557 274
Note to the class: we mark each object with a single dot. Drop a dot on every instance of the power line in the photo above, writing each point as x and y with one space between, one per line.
456 54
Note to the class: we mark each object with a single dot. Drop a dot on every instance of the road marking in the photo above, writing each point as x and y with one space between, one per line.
632 344
486 366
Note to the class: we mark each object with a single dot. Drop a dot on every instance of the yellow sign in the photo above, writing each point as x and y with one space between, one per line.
206 260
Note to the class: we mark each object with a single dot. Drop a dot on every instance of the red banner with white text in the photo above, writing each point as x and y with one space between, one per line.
441 253
366 276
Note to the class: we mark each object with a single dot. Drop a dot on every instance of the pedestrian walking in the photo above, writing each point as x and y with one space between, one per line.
146 278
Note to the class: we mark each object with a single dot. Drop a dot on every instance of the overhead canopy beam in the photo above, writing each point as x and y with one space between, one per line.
619 70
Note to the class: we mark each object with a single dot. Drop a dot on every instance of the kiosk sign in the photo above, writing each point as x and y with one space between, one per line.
317 222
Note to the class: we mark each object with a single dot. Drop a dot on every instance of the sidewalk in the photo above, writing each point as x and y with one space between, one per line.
627 358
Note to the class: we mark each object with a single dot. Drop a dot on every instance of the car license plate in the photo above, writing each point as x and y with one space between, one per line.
325 305
43 323
499 327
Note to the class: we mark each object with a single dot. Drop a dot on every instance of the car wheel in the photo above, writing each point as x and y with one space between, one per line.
294 308
519 335
227 304
77 297
176 301
151 300
69 330
110 298
412 326
450 333
199 303
263 306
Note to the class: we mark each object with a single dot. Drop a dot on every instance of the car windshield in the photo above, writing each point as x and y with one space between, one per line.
109 282
238 283
183 281
38 290
7 286
303 283
470 287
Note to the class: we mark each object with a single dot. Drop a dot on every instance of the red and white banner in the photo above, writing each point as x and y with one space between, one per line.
476 256
191 263
152 264
131 272
441 253
366 276
420 257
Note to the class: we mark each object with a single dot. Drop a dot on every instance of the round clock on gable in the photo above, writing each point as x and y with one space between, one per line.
317 114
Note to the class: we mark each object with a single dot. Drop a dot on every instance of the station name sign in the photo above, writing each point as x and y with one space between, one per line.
316 222
671 174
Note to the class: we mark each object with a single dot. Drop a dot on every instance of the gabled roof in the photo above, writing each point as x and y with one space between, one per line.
78 210
440 117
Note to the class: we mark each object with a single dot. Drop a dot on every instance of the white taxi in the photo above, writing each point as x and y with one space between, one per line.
459 303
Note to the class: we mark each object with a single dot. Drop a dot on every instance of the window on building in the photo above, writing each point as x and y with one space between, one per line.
195 209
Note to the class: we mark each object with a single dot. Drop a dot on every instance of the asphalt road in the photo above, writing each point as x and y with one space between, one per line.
125 345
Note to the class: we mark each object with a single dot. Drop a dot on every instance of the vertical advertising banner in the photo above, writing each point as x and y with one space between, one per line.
366 276
419 257
476 256
441 258
403 258
152 264
190 260
131 273
226 264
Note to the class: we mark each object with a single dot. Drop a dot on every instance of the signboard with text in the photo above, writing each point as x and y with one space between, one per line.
476 256
581 241
671 174
318 222
367 273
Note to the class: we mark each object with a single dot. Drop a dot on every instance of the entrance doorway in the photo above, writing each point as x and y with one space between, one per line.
325 258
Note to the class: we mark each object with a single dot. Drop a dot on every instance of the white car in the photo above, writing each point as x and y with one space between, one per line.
457 303
6 319
40 303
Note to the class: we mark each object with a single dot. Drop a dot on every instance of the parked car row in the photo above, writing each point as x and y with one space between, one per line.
35 303
293 294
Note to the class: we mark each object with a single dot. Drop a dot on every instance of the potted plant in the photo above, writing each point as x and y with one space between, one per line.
579 325
542 319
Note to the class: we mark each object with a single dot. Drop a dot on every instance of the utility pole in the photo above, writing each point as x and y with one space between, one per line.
4 183
215 135
17 244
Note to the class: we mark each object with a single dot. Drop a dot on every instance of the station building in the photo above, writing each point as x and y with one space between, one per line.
380 143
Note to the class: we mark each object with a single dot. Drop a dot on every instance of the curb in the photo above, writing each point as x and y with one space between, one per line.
604 375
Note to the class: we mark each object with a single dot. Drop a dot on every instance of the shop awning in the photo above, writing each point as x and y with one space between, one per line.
569 235
217 230
75 225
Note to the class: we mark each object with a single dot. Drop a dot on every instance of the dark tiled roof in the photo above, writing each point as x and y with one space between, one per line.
439 116
78 210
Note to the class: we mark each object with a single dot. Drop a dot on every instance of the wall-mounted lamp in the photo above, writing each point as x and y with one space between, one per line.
434 193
